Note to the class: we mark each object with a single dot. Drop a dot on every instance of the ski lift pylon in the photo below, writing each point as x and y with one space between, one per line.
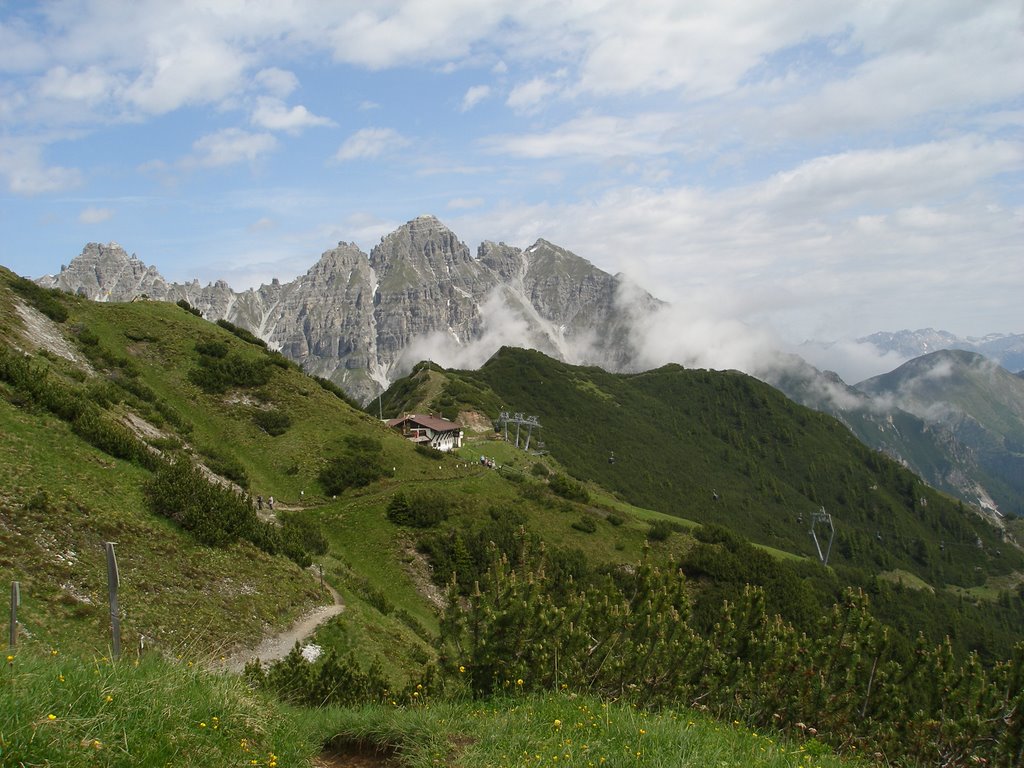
823 520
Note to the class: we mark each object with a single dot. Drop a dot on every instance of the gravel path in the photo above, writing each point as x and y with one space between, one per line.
277 646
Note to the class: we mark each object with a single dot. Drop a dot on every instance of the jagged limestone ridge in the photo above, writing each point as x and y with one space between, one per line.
352 317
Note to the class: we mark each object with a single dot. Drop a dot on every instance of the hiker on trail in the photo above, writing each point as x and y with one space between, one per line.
259 502
270 503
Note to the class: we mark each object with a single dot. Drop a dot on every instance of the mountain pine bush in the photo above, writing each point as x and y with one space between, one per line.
628 634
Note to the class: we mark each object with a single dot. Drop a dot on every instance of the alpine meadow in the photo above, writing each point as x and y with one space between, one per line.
638 588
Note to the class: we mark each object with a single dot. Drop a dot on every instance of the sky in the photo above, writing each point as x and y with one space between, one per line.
811 169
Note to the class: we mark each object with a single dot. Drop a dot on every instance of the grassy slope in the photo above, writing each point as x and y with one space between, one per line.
61 498
682 436
230 595
167 578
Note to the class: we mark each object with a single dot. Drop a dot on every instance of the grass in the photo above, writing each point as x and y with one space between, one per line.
58 709
992 589
559 730
63 500
906 579
72 711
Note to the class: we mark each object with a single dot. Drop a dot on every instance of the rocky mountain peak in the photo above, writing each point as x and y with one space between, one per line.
424 243
362 320
105 273
545 259
424 261
505 260
339 261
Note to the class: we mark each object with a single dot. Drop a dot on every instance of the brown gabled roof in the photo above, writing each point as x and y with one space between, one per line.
430 422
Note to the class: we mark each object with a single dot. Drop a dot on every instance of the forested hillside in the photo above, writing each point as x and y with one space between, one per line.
722 447
726 449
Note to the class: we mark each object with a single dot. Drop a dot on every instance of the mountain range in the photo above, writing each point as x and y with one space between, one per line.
363 320
1007 349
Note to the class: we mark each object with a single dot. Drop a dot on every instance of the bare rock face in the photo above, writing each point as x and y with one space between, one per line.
356 318
108 273
427 282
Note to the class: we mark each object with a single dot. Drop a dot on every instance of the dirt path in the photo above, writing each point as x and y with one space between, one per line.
277 646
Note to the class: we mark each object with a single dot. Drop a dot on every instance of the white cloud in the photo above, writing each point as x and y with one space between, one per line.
20 51
888 177
262 224
370 143
702 49
230 146
854 361
528 96
593 136
386 35
278 82
92 215
272 114
474 95
792 252
185 70
22 164
459 203
92 84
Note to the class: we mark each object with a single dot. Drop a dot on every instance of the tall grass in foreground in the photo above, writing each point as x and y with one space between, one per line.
559 730
64 711
57 710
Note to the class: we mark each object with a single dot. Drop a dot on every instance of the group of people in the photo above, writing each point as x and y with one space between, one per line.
270 502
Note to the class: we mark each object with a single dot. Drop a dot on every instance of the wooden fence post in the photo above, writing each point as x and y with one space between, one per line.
113 582
15 602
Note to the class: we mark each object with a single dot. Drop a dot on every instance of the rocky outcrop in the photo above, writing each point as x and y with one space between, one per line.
427 283
108 273
360 319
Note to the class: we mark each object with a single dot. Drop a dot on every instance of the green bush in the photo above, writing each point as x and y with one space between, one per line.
325 682
301 531
419 509
226 465
585 524
188 307
87 336
214 349
430 452
113 438
660 530
568 488
214 514
242 333
218 375
359 464
218 516
338 392
46 300
274 423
